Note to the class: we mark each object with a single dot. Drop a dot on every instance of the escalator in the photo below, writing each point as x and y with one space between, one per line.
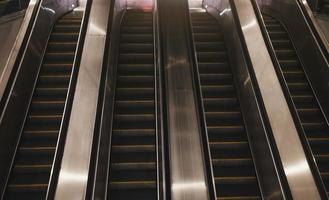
133 165
232 163
33 161
309 111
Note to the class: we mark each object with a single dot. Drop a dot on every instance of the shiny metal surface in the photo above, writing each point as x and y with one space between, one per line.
264 158
295 165
187 170
73 177
16 104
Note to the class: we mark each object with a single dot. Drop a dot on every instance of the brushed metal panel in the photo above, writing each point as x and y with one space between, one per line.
188 178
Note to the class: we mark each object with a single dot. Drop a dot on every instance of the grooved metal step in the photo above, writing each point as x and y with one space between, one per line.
313 121
232 163
133 151
33 161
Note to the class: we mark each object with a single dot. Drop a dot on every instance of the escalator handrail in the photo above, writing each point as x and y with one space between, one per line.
291 105
162 163
68 104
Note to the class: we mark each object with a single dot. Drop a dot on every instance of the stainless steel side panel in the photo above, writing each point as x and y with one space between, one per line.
296 167
72 181
187 170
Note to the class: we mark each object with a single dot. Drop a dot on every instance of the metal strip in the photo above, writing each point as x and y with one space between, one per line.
188 177
296 167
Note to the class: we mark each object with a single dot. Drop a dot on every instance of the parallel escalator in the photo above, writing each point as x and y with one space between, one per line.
133 173
308 109
35 153
232 163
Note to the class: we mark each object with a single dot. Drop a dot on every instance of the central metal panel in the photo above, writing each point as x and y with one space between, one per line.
296 167
188 179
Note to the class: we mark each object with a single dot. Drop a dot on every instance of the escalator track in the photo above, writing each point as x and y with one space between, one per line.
312 119
231 159
133 151
33 161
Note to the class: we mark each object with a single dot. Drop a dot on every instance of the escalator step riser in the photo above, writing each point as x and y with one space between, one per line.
207 47
136 58
137 29
141 69
67 28
246 191
281 44
135 107
136 48
134 175
59 58
62 47
25 178
60 37
286 55
137 38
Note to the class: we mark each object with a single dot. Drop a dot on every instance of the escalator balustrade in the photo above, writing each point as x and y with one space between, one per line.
133 150
232 163
313 121
35 154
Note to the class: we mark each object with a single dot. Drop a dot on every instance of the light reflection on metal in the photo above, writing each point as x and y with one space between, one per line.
189 186
224 11
72 177
298 168
96 30
49 9
249 25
